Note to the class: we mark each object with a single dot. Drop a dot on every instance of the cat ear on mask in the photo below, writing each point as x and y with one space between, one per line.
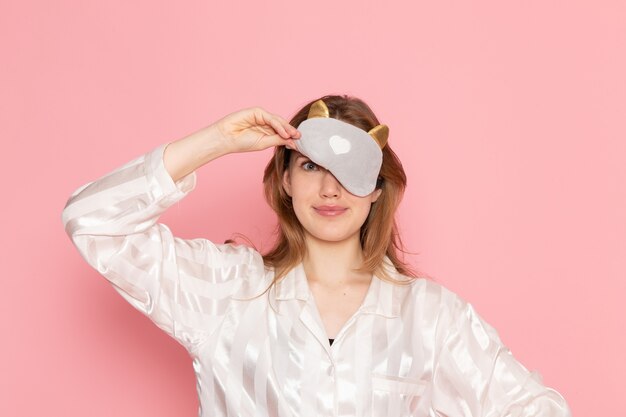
379 133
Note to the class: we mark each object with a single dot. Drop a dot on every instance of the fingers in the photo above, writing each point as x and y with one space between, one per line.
280 125
283 128
290 144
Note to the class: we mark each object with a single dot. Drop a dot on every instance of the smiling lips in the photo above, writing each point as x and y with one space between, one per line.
330 210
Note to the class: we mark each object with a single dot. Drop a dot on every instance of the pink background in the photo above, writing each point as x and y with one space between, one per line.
509 118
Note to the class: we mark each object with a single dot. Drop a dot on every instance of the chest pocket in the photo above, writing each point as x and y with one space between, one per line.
397 396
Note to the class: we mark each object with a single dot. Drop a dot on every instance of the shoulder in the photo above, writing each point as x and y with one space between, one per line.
220 262
427 289
457 316
254 276
246 258
422 290
429 306
224 256
430 298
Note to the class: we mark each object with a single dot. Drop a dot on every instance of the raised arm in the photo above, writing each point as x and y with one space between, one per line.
247 130
184 286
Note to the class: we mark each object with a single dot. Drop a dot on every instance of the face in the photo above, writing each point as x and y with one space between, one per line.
326 210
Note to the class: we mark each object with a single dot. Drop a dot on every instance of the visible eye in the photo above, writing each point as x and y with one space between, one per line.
309 166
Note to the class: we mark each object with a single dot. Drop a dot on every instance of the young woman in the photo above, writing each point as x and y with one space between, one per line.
330 322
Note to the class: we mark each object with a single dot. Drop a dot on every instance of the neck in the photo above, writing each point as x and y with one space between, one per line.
332 263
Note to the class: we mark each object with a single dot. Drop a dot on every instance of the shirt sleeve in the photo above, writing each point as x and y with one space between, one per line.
183 286
477 375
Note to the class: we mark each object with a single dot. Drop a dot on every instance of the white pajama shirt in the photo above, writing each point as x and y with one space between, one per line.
410 350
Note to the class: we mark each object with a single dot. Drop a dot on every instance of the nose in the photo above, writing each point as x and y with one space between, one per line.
330 186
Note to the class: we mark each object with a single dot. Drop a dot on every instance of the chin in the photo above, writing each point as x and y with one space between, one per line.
330 239
331 236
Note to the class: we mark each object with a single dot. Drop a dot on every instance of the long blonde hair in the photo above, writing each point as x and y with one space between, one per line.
379 234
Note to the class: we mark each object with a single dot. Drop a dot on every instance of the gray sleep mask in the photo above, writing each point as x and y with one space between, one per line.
351 154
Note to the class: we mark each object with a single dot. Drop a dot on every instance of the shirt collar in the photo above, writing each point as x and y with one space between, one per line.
383 298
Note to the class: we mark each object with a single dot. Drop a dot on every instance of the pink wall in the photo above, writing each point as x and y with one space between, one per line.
509 120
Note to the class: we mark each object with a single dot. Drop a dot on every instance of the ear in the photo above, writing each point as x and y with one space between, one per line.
287 182
375 194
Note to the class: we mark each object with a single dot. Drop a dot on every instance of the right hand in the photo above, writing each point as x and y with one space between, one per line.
255 129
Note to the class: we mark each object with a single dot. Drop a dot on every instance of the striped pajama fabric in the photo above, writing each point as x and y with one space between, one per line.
410 350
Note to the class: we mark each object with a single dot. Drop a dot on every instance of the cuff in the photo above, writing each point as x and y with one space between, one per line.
160 183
